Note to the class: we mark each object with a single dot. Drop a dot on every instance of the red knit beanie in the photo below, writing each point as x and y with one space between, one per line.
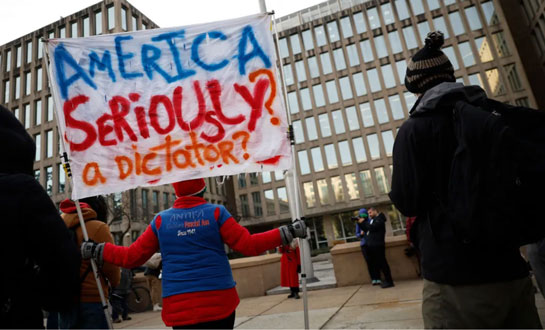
68 206
189 187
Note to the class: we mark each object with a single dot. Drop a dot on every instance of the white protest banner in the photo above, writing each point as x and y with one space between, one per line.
158 106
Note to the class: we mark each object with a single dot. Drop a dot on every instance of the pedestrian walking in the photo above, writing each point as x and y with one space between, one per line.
290 267
375 228
467 283
198 286
40 261
87 311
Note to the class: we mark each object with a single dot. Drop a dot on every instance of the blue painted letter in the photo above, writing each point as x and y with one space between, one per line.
105 63
195 51
169 38
248 35
62 58
122 57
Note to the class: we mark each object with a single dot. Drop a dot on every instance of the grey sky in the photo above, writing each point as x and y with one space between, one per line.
20 17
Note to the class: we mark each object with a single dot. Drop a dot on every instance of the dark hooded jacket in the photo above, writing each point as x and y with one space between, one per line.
40 261
375 230
422 156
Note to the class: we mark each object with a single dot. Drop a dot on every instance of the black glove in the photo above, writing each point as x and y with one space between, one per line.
90 249
299 269
295 229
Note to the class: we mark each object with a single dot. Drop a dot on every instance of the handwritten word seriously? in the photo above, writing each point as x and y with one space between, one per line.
113 127
150 55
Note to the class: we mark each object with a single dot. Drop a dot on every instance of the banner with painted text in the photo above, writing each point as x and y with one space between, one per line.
159 106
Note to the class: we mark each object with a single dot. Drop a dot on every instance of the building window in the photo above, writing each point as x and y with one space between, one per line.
49 143
310 198
395 105
49 180
313 67
8 60
449 51
307 40
304 166
242 180
346 90
38 79
352 186
494 82
395 42
500 43
266 177
359 84
28 52
134 23
325 59
338 56
372 16
374 149
388 140
283 48
61 179
124 19
318 92
490 14
387 14
382 113
380 46
367 184
27 115
279 175
62 32
155 196
473 18
305 99
258 209
37 175
513 77
344 151
40 49
456 23
325 127
86 27
288 75
352 118
298 132
346 27
166 202
310 124
269 200
317 159
433 4
18 56
74 30
331 156
366 115
352 53
484 49
359 150
381 180
332 95
38 141
359 22
295 45
145 209
49 108
337 186
410 39
467 54
333 31
111 17
388 75
338 122
28 82
254 181
374 80
323 191
320 35
17 87
402 10
439 23
37 112
16 113
366 50
418 8
283 200
410 99
292 102
423 30
244 207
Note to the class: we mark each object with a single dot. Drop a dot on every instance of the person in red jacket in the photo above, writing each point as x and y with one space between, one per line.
198 286
290 267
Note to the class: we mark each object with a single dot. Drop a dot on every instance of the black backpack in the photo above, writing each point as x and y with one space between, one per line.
497 174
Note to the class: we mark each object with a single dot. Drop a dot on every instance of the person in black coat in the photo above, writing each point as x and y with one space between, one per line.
375 229
40 259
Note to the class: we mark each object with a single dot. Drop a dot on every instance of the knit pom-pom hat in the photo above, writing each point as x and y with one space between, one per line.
429 66
189 187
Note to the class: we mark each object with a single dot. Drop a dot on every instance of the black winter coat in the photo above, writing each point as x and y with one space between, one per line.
422 156
40 261
375 230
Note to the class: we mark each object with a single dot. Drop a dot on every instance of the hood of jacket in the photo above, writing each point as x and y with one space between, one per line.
18 148
72 220
445 95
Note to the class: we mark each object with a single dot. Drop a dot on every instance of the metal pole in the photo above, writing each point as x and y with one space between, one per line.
294 197
66 166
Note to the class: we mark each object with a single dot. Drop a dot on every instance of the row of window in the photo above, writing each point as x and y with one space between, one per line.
455 18
36 118
537 25
18 85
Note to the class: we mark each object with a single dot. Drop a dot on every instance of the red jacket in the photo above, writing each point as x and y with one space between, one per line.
203 306
288 266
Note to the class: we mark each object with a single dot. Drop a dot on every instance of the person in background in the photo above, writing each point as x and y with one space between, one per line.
290 267
375 228
153 269
120 309
362 217
198 287
40 261
87 311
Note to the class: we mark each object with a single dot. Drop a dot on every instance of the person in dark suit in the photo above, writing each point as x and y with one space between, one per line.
375 228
